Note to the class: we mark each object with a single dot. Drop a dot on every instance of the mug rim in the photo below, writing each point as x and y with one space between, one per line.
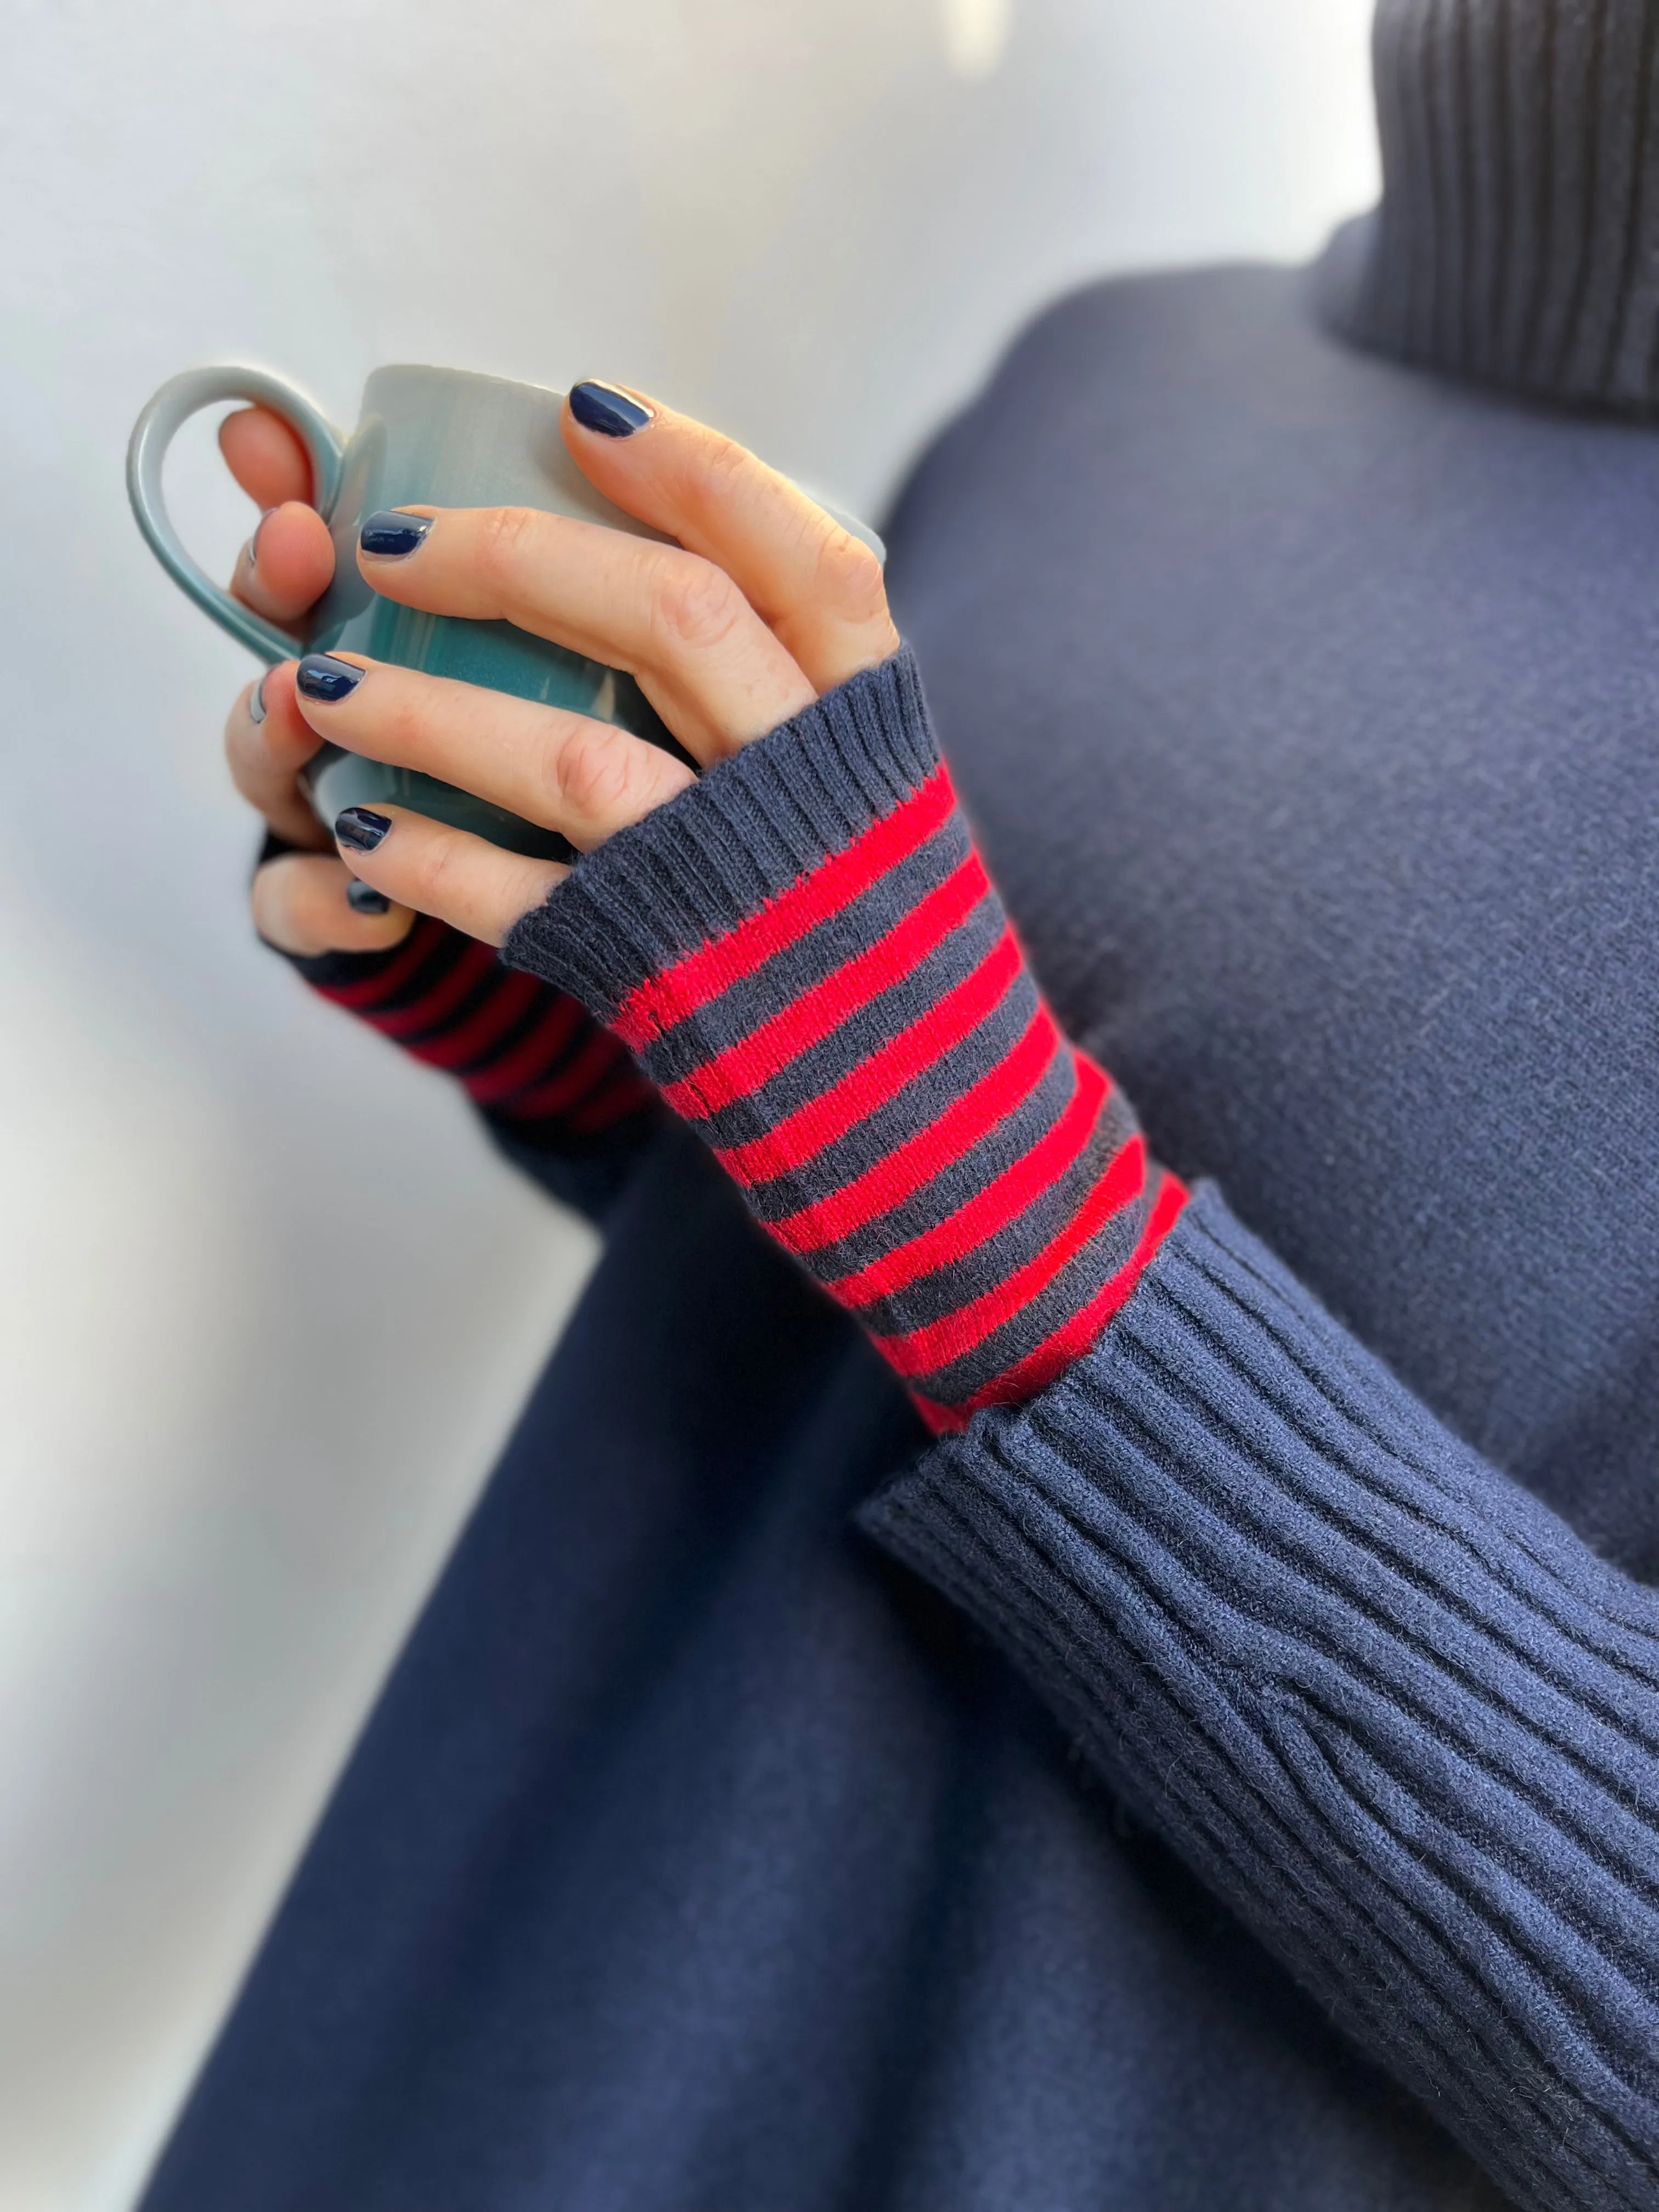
471 375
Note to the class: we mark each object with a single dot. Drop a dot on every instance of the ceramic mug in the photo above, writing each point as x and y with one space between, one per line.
426 437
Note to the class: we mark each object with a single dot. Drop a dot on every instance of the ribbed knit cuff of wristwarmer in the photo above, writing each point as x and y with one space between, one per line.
806 955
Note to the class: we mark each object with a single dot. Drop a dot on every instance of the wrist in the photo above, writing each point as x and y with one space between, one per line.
805 953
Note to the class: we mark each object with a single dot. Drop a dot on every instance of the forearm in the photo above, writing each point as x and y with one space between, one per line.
1380 1698
1391 1708
563 1099
805 953
1385 1702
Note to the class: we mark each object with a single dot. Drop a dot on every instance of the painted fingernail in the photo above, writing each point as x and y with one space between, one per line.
360 828
256 702
363 898
250 551
320 676
393 537
613 414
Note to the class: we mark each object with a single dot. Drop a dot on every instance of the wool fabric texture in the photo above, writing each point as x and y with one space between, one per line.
1228 1777
1517 241
530 1058
806 954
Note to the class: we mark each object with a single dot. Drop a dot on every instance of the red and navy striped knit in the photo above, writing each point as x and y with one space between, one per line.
529 1056
806 955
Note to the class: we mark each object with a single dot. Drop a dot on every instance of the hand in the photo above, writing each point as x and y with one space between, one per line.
836 1001
300 901
764 602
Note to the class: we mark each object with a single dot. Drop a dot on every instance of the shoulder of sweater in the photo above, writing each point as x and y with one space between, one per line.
1087 336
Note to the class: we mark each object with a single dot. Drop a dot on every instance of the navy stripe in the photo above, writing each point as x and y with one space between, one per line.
1105 1256
960 1180
969 1272
696 870
742 1008
921 1101
887 1017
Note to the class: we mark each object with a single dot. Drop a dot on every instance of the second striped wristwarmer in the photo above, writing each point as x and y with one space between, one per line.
531 1059
804 952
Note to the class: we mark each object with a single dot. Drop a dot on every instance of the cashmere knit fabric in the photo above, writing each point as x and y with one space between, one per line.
538 1069
806 954
693 1857
1400 1719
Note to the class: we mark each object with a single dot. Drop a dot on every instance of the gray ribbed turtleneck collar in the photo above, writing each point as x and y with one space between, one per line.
1517 241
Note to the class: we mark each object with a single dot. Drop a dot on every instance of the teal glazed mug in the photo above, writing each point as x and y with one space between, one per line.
427 437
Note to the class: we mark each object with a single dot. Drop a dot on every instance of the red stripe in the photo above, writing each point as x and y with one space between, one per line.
375 990
1073 1337
922 1349
586 1069
438 1004
625 1092
661 1000
795 1139
1021 1183
510 1000
943 1420
530 1059
753 1059
919 1158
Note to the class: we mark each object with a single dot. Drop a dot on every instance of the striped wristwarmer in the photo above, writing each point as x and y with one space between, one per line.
529 1056
806 955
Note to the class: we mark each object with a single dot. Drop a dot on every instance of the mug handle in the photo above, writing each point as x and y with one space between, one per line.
178 399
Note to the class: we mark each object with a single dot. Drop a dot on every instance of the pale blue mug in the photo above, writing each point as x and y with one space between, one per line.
427 437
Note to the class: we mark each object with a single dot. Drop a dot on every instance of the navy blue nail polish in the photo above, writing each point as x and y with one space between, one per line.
601 407
392 536
320 676
360 828
363 898
256 704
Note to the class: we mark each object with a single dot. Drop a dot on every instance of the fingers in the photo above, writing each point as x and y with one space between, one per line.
707 663
818 588
266 457
300 906
287 564
267 743
474 886
557 769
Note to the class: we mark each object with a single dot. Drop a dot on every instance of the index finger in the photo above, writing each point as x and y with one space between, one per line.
818 588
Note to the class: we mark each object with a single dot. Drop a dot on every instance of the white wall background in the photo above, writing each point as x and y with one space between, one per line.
266 1305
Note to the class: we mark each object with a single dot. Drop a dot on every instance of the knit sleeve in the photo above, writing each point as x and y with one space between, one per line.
1377 1695
561 1097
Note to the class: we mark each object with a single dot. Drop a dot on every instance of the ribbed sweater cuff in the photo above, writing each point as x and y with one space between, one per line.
1377 1695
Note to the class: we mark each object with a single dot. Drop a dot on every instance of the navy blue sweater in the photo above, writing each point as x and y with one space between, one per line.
1233 1776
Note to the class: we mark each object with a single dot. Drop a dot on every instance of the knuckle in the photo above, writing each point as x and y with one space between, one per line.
432 875
697 604
403 724
725 468
506 536
279 906
595 772
265 898
252 771
849 577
